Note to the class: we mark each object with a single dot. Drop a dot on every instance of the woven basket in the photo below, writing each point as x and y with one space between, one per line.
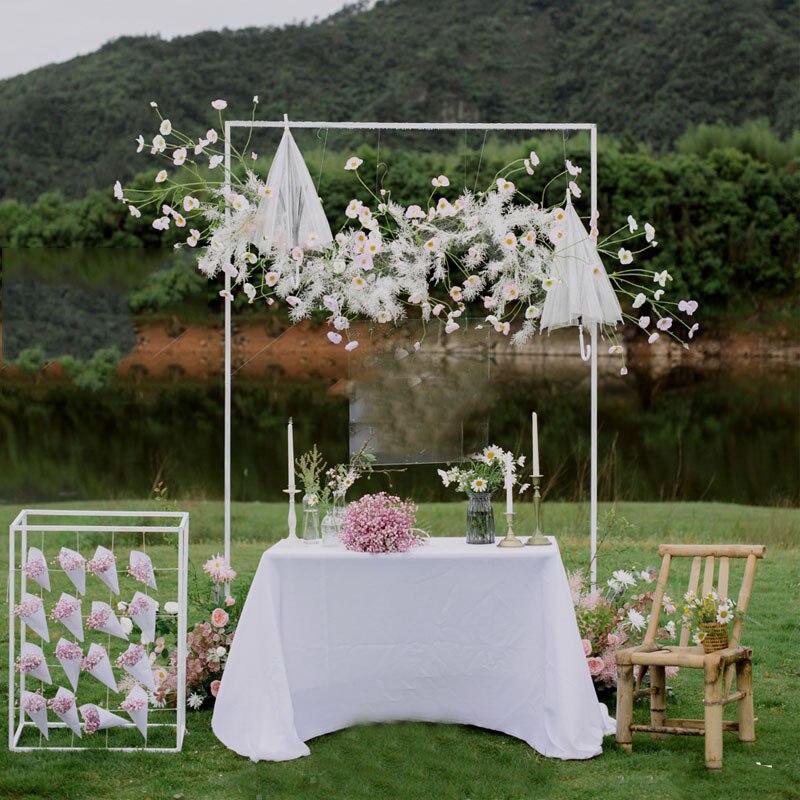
716 636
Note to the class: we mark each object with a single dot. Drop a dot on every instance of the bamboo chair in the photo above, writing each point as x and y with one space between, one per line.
718 667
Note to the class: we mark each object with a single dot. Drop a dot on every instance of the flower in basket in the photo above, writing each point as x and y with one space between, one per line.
380 523
709 615
219 570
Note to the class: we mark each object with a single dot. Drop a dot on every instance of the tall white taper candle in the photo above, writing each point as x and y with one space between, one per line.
291 456
509 490
535 425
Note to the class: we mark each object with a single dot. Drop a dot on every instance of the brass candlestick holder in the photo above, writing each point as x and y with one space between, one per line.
538 539
510 540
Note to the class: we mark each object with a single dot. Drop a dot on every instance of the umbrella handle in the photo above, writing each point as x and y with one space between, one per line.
586 350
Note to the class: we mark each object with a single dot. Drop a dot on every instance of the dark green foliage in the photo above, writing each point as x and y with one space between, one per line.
94 374
647 68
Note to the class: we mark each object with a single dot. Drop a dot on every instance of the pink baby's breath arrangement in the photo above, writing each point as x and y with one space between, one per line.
61 704
380 523
94 658
100 564
69 560
219 570
98 618
33 703
140 605
28 662
67 650
91 720
133 703
35 568
64 608
28 607
131 656
141 570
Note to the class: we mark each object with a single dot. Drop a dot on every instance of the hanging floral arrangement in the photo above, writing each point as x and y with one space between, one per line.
526 266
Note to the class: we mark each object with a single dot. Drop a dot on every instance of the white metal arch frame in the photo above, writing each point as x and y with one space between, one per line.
424 126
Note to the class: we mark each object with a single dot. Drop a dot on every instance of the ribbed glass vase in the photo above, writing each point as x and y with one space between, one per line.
480 518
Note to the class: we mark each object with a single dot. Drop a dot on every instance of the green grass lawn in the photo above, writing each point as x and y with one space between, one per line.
414 760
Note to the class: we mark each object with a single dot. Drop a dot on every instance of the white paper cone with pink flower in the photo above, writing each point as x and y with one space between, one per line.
136 663
74 564
142 610
70 656
31 612
31 662
98 666
67 611
96 719
35 567
35 706
135 705
140 567
63 705
103 565
104 619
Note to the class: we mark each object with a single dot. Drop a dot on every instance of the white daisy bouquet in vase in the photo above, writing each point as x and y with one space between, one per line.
478 477
710 615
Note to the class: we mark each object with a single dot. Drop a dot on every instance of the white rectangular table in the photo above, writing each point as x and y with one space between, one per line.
448 632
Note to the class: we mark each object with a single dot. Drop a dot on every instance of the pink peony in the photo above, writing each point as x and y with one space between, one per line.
214 688
587 647
595 664
219 617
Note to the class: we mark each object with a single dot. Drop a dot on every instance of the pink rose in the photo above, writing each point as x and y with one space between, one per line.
214 685
587 647
596 665
219 617
613 640
229 601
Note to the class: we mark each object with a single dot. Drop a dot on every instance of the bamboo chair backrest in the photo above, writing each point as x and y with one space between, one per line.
700 553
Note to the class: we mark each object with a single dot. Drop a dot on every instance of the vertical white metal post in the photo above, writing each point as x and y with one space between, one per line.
227 445
594 337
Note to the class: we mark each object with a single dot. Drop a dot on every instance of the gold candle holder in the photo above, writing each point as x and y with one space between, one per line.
538 539
510 540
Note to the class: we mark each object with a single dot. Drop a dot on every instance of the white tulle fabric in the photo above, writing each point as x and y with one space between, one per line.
292 215
583 293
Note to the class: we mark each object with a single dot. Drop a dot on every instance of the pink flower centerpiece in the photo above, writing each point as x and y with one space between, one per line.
380 523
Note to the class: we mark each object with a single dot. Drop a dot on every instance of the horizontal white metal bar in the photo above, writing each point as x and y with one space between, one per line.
417 126
142 749
99 528
54 512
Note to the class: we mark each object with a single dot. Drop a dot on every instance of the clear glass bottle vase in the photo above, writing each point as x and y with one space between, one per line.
311 527
332 524
480 518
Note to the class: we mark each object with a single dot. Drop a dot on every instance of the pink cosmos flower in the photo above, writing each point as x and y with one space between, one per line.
214 688
219 617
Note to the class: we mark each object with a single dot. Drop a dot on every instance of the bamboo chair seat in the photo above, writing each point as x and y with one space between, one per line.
718 667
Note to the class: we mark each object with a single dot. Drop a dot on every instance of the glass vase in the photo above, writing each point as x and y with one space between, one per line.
332 524
480 518
311 529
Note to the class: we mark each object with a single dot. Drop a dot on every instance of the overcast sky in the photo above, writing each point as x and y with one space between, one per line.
38 32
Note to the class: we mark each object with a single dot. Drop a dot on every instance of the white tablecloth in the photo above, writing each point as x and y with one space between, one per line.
448 632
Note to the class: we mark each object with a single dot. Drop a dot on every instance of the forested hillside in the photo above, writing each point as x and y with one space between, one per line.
640 68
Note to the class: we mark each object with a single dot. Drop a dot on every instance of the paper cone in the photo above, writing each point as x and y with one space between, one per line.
77 575
109 577
112 626
71 666
37 621
39 717
137 559
138 715
41 672
141 671
74 622
34 555
146 620
102 671
70 717
107 719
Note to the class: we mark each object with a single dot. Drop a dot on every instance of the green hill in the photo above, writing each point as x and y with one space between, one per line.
644 68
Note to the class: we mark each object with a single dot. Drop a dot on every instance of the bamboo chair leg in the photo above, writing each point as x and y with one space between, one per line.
658 697
744 683
625 706
714 685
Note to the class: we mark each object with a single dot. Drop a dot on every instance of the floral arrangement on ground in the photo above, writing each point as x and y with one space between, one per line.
497 250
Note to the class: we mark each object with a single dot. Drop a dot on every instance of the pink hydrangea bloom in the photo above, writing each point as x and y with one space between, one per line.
380 523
